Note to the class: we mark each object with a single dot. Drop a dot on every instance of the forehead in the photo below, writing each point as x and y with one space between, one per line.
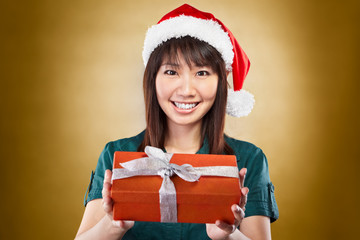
175 60
181 58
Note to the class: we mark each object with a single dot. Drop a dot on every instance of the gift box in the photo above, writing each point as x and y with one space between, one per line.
154 189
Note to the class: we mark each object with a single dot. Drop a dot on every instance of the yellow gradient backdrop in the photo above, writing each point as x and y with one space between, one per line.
71 80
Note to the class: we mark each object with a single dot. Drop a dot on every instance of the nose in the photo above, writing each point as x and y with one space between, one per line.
187 86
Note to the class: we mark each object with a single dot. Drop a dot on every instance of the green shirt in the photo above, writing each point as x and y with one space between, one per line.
261 199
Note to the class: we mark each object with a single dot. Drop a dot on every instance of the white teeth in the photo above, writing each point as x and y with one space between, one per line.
185 105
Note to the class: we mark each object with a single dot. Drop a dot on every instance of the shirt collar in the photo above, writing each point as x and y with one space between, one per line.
204 148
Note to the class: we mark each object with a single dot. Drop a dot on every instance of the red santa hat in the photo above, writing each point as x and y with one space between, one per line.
189 21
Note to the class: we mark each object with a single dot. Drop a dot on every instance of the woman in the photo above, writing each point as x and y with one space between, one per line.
188 56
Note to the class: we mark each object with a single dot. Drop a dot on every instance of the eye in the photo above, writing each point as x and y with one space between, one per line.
170 72
202 73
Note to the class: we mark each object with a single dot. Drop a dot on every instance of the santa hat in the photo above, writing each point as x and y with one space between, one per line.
189 21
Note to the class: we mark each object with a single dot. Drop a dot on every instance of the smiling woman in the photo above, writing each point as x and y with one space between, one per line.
188 56
187 59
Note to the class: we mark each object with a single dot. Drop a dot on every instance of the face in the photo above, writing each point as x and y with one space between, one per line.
185 93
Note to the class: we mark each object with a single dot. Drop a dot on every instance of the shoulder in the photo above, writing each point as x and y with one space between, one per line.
125 144
129 144
106 162
248 155
242 148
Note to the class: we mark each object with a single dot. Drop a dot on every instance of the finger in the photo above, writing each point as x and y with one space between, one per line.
116 223
107 183
107 204
119 223
243 198
107 176
227 228
242 174
126 224
239 214
106 195
106 189
123 223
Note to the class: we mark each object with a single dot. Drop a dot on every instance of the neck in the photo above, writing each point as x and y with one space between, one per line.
183 139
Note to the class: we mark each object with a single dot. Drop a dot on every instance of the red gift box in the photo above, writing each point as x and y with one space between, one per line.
203 201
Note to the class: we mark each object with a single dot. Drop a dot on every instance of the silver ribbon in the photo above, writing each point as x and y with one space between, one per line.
158 163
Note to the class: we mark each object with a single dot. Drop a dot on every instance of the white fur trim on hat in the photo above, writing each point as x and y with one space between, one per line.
239 103
206 30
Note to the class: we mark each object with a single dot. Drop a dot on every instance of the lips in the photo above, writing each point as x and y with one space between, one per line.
185 106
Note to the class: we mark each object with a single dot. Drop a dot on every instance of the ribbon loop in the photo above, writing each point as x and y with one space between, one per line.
186 172
158 154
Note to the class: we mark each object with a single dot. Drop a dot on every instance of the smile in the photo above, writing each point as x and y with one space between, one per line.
185 106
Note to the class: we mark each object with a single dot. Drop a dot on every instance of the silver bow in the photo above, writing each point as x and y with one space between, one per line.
158 163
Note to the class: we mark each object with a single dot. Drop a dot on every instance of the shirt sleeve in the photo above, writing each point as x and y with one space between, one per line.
261 198
97 178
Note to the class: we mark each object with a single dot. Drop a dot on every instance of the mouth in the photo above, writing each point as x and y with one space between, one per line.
185 106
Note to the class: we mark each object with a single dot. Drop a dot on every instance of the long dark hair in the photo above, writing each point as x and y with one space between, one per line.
198 53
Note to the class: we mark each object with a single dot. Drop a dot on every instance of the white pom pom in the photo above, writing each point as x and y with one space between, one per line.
239 103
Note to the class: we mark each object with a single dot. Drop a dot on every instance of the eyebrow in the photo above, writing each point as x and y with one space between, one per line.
175 65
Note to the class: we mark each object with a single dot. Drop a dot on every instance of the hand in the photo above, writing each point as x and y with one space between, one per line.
222 230
107 203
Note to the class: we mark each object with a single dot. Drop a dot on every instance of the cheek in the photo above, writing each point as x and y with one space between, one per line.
209 90
163 90
159 88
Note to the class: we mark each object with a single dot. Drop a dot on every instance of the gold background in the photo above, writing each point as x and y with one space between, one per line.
71 80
